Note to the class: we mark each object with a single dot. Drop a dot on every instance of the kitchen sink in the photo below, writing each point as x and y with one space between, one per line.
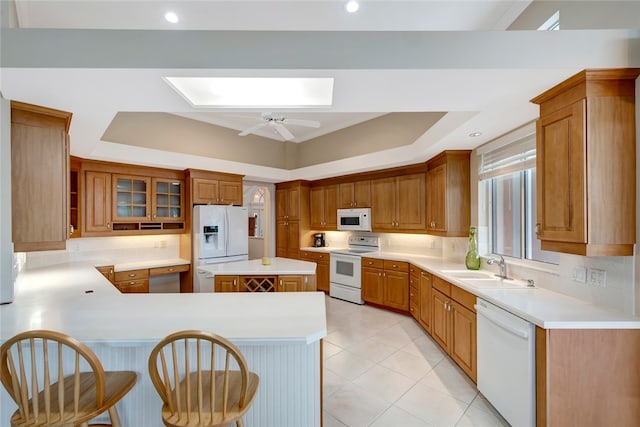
484 280
466 274
495 283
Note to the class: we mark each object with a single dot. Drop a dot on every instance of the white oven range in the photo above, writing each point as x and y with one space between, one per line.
345 268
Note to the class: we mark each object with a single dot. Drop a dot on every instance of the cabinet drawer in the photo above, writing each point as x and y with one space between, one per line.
133 286
441 285
373 262
463 297
168 270
414 271
413 309
414 294
123 276
396 265
316 256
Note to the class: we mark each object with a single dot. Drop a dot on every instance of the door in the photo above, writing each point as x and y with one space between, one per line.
410 209
436 198
463 338
289 283
331 206
281 204
226 283
440 320
372 285
316 195
282 238
347 196
237 230
205 191
322 276
362 194
132 198
560 174
383 204
293 240
396 290
98 202
230 193
425 300
209 230
167 199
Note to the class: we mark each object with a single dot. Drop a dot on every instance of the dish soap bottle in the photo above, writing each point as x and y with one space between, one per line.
473 259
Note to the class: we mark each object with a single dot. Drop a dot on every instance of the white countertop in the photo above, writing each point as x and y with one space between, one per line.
255 267
321 249
55 297
544 308
140 264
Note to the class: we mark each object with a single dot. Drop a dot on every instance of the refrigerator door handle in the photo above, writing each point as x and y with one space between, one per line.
228 231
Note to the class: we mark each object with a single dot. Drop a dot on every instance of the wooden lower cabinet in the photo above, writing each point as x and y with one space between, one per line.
453 324
225 283
372 285
386 283
587 377
107 272
132 281
322 268
425 301
283 283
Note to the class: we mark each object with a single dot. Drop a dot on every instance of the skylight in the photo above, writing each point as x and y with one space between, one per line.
551 24
256 92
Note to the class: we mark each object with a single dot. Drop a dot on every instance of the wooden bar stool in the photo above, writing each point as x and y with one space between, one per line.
58 381
204 396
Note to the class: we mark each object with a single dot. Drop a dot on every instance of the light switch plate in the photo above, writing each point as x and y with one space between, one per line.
580 274
598 278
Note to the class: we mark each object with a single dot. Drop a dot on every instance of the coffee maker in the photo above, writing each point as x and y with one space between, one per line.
318 240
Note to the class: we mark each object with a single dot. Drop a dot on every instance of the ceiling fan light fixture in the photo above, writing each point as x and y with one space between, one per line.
254 92
352 6
171 17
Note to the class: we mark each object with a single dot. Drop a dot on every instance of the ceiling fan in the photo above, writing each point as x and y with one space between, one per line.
278 122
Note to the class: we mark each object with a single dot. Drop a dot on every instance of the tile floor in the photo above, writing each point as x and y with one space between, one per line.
381 369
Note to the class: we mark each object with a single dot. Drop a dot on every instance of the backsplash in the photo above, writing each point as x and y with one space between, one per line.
116 250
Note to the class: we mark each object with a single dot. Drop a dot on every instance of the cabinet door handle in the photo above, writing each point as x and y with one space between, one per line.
234 282
170 269
71 229
537 229
395 266
379 274
108 225
132 275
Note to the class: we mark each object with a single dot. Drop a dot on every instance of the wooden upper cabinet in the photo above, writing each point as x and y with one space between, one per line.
167 199
449 194
39 177
75 197
585 164
132 198
398 203
288 203
355 194
324 200
292 218
208 191
97 202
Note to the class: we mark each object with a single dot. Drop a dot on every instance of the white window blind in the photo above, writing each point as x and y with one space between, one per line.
512 157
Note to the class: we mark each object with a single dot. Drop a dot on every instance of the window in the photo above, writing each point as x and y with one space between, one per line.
508 173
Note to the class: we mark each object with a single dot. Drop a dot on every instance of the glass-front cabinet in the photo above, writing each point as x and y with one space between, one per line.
167 199
132 198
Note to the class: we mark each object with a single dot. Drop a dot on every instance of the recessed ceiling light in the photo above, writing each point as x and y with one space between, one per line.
474 134
171 17
352 6
255 91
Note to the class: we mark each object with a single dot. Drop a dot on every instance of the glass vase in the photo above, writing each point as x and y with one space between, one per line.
472 260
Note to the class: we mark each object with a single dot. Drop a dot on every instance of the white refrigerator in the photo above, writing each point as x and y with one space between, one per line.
220 234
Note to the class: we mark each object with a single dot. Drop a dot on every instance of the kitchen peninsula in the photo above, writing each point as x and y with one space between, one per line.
277 333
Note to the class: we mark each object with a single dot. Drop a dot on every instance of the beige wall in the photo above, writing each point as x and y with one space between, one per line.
168 132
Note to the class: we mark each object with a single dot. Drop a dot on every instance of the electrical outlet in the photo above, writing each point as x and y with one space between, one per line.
580 274
598 277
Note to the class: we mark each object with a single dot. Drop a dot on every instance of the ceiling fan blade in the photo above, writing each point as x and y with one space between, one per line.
252 129
283 131
301 122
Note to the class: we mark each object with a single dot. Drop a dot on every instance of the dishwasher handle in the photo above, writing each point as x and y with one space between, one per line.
495 319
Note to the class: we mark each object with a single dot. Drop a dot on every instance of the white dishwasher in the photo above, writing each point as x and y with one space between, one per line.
506 363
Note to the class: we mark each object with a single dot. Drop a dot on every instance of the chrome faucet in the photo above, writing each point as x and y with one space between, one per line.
501 264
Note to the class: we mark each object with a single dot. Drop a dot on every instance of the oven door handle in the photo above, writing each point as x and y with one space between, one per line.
496 320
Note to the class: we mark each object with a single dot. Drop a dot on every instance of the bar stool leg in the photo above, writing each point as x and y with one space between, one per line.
115 419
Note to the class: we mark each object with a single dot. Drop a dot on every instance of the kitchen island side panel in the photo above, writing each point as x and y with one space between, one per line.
288 394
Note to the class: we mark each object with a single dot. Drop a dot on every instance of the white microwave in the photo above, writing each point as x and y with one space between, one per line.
354 219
